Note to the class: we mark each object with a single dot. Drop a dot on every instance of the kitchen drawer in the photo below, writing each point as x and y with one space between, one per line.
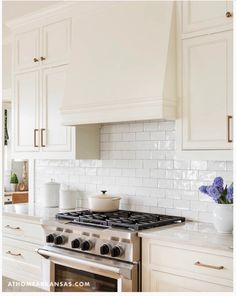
23 230
166 282
196 263
12 248
20 260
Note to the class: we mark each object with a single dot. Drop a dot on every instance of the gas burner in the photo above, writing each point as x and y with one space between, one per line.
123 219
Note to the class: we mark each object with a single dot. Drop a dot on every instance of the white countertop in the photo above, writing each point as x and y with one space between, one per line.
192 234
34 213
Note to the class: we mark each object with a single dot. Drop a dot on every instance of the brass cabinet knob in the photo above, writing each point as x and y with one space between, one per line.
42 58
228 14
35 60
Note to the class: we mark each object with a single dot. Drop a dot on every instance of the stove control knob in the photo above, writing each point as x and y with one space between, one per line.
50 238
105 249
116 251
59 240
86 245
76 243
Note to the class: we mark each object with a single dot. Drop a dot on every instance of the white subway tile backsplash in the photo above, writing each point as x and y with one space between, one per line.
150 164
182 164
150 126
165 164
150 182
198 165
142 136
174 174
229 165
128 137
163 183
217 165
181 204
142 173
165 203
136 127
157 173
139 163
158 136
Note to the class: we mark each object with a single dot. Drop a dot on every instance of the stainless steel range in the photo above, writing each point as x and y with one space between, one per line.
87 251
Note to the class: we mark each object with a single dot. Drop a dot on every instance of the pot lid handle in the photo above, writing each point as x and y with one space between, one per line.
104 191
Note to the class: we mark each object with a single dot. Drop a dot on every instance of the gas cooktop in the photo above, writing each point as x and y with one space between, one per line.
124 219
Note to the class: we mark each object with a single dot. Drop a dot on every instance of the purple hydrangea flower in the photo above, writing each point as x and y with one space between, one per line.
213 192
203 189
230 193
218 182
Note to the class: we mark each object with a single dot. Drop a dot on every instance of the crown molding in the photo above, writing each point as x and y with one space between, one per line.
44 12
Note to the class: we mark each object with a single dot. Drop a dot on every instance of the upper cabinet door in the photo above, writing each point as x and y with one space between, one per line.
54 136
207 91
201 15
56 42
26 50
26 112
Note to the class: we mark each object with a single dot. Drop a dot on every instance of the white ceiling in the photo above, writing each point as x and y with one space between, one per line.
15 9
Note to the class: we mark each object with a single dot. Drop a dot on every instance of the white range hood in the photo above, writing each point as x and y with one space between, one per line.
122 65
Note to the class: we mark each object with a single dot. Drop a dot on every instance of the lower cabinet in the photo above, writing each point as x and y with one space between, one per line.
20 261
21 238
167 282
182 269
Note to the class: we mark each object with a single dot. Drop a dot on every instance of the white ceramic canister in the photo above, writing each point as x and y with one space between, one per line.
50 198
68 198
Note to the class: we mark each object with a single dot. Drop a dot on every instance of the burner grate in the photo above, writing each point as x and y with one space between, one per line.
124 219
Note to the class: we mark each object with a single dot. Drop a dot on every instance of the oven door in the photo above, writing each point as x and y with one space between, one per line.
68 271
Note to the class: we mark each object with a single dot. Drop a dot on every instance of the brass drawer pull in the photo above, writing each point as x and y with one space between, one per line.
15 228
228 14
42 58
13 254
41 132
35 134
35 60
229 119
208 266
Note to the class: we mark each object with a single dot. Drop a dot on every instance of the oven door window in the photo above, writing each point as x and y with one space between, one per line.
68 279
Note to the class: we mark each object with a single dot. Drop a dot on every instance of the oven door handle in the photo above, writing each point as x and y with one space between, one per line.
126 272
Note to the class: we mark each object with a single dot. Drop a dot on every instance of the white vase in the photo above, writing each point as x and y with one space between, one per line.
223 218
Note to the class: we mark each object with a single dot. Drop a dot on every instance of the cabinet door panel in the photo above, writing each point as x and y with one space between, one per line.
26 108
26 49
56 137
57 42
166 282
207 91
200 15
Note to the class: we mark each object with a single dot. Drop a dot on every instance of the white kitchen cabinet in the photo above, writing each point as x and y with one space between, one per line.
54 136
21 237
204 15
56 42
26 49
43 46
178 267
38 131
37 127
167 282
26 112
207 92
